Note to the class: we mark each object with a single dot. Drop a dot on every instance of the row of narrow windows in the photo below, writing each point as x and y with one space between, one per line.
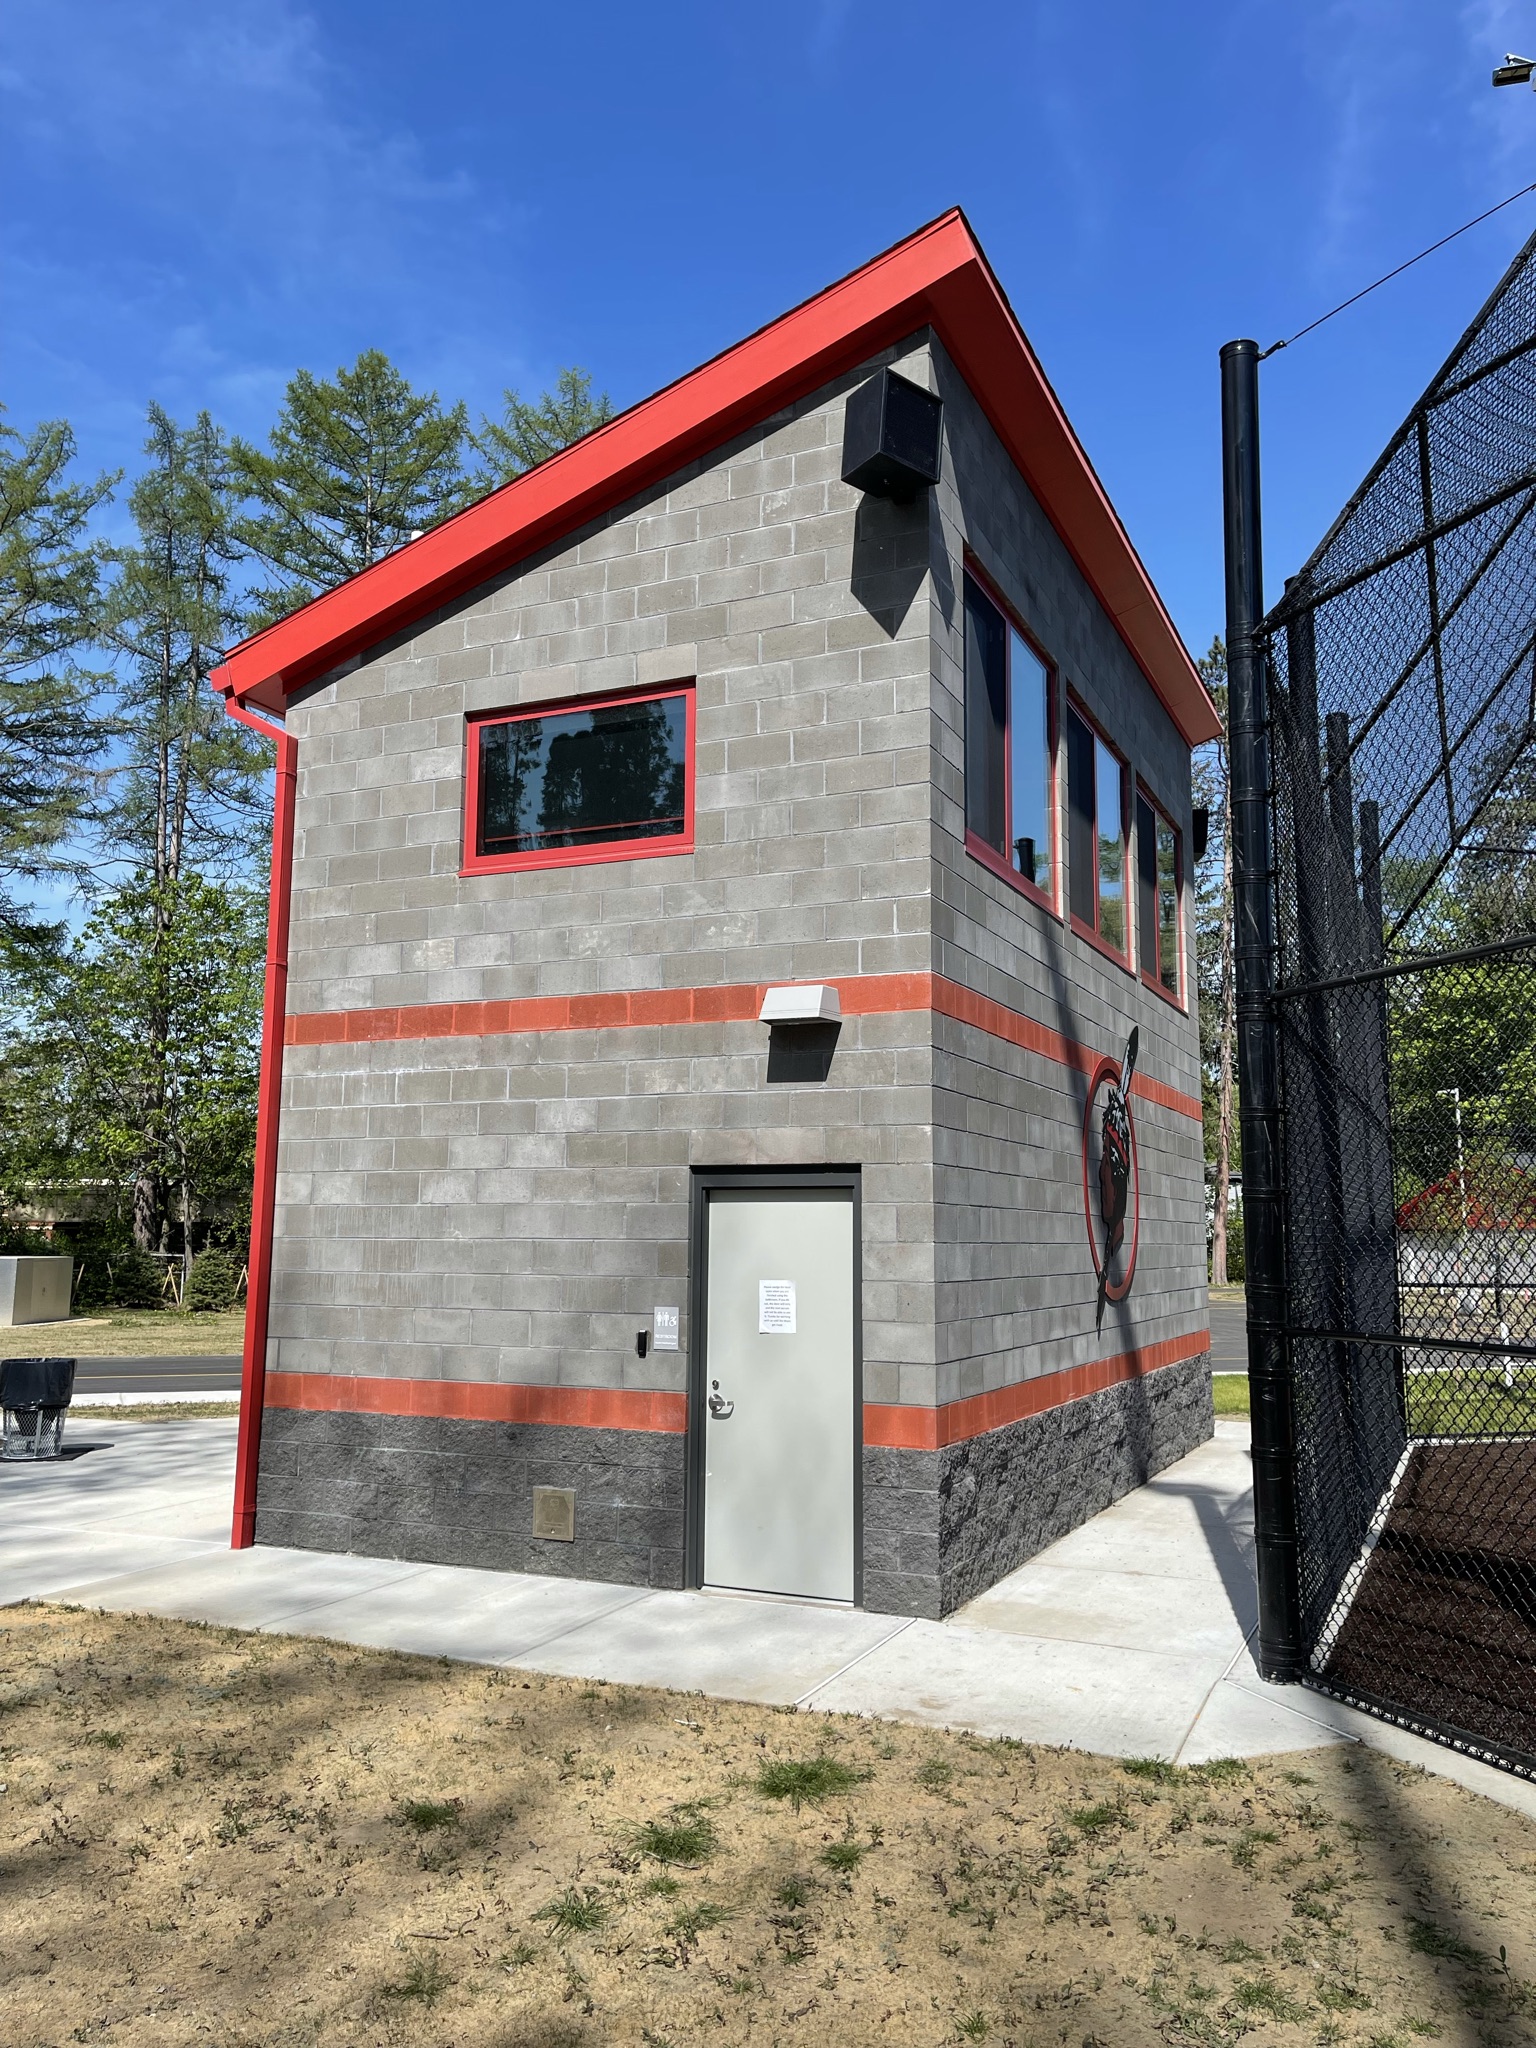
611 779
1014 708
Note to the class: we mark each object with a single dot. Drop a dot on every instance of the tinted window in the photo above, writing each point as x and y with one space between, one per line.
1007 740
1082 812
1146 885
1157 895
986 718
1110 779
1029 737
584 777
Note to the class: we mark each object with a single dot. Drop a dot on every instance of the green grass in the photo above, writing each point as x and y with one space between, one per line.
426 1814
695 1920
806 1778
686 1835
1229 1393
935 1775
129 1333
844 1856
150 1411
1097 1820
1430 1940
1467 1401
574 1912
425 1980
1472 1401
1263 1996
1155 1768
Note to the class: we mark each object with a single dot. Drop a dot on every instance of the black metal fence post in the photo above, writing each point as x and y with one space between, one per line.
1274 1476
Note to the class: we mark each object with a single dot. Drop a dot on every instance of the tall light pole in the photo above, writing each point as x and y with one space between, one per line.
1274 1444
1453 1096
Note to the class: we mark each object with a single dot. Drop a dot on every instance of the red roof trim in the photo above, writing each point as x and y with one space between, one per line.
937 277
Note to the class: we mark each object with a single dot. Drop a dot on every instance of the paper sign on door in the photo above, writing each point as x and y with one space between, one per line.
776 1308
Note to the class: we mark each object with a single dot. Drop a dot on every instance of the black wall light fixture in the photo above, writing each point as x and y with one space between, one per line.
891 438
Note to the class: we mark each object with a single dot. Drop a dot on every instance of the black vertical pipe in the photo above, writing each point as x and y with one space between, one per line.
1274 1461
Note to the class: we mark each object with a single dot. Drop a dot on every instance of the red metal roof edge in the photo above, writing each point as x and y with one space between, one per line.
937 277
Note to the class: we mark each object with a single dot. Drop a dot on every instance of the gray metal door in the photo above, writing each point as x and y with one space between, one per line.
779 1358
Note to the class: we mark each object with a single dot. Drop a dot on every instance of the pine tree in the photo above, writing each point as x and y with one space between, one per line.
133 1057
529 434
50 590
353 470
190 785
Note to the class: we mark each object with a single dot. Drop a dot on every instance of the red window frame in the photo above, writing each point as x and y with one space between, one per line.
1155 981
476 863
977 848
1091 933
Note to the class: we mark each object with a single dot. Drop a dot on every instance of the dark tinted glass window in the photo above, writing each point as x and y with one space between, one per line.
1007 740
1146 885
986 718
1082 816
1029 737
584 777
1157 899
1109 778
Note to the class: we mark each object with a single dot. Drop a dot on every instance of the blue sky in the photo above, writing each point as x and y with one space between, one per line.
199 198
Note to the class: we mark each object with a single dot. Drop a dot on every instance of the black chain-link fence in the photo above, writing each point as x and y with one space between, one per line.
1402 693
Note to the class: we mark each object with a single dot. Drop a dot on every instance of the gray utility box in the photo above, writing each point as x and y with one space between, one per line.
34 1393
35 1290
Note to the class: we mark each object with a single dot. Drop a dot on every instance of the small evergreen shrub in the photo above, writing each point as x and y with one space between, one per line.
212 1282
133 1280
110 1270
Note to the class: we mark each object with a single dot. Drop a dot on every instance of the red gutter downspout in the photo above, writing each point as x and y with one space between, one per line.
274 1008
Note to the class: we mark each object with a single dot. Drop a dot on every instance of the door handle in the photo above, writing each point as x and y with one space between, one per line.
719 1407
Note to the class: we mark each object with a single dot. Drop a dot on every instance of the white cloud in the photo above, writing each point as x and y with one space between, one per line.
211 195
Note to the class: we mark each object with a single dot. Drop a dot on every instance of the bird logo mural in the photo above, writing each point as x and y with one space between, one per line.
1111 1178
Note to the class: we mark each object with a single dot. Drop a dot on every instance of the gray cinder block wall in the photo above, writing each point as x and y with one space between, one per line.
489 1215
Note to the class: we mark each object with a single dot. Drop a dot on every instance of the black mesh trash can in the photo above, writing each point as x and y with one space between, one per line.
34 1393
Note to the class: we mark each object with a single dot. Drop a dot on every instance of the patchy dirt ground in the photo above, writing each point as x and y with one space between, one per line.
245 1839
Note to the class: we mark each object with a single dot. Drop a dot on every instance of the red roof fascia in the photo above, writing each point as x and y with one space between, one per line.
937 277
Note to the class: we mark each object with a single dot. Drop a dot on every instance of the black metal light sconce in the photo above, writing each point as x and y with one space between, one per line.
891 432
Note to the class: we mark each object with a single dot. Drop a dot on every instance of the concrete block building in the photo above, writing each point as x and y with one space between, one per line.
731 1096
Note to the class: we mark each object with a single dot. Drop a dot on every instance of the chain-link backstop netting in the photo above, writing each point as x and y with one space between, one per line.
1402 704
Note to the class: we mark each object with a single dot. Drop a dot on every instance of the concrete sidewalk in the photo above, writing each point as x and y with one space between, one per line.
1128 1637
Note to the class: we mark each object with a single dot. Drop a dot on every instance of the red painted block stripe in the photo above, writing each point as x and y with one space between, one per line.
478 1401
930 1429
888 1426
865 995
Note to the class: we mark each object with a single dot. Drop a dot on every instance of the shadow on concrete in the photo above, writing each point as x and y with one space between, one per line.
1230 1544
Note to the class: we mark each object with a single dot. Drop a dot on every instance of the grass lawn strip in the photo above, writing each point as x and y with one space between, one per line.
263 1842
130 1333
